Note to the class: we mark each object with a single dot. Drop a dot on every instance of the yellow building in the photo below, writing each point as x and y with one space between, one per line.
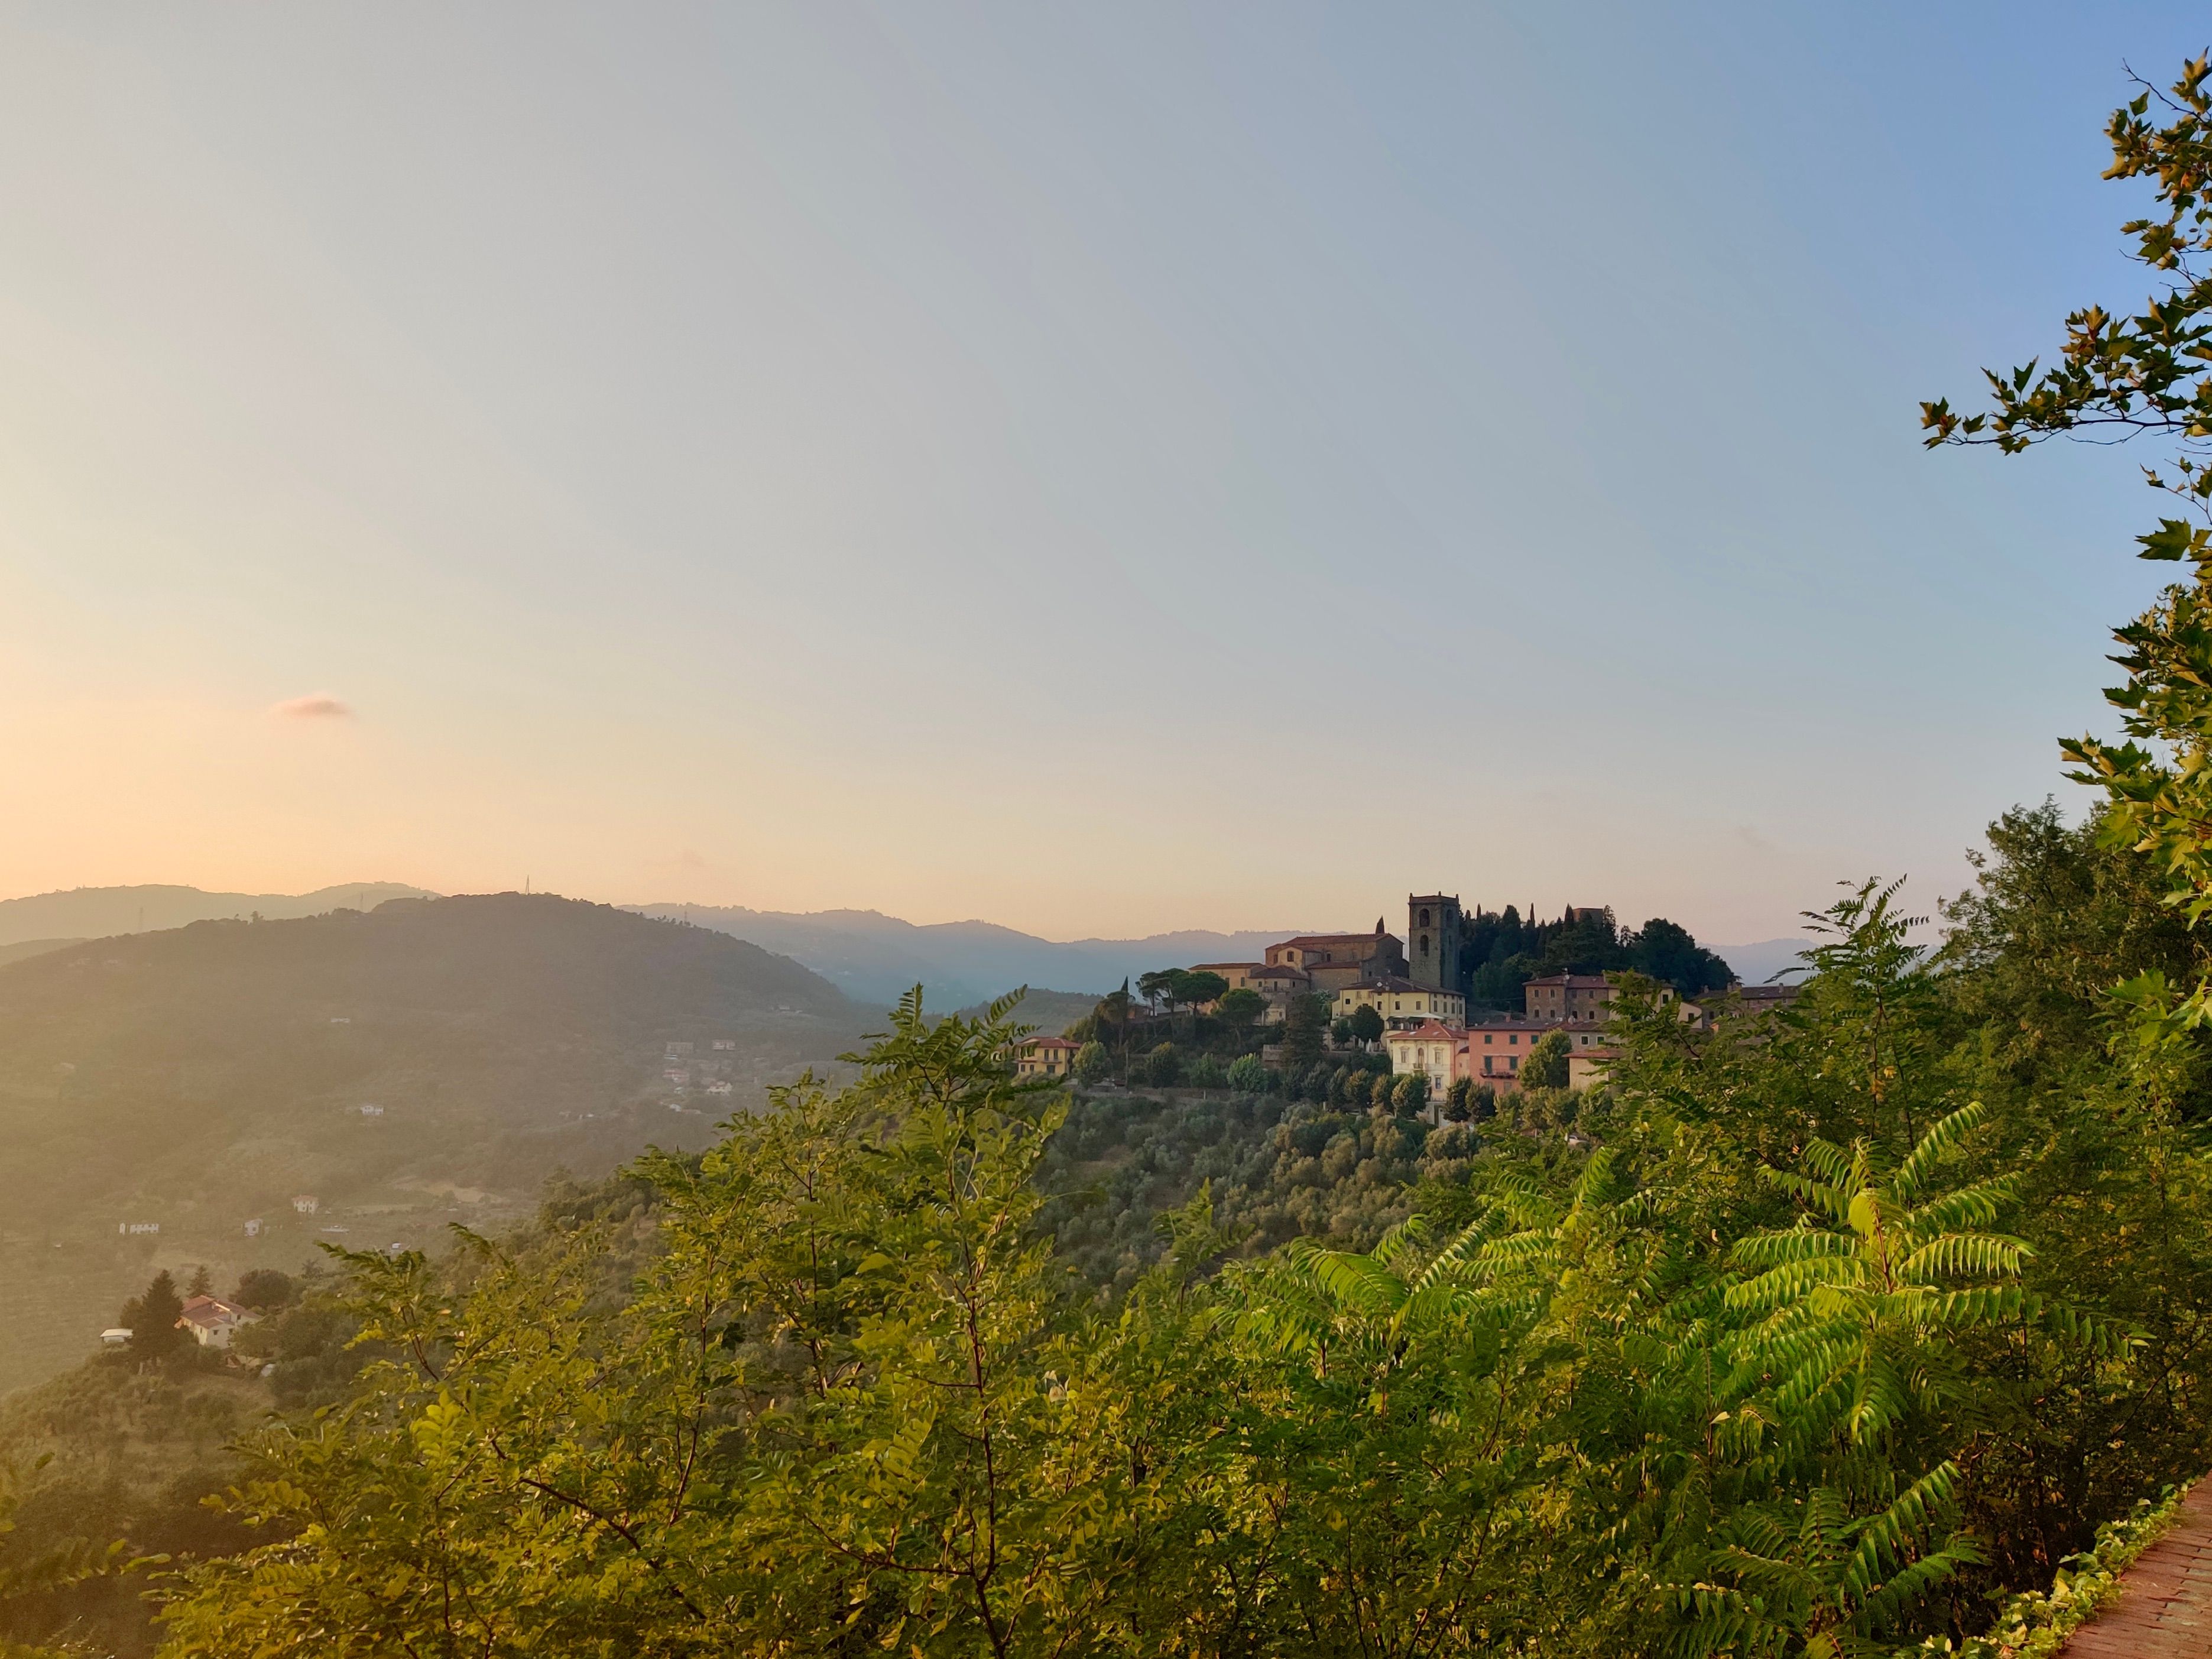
1238 974
1402 1004
1044 1056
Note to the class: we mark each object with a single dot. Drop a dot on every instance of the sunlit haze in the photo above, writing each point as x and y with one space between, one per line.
1100 470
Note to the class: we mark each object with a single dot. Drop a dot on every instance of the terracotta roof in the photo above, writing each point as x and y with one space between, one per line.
1336 938
1048 1042
1397 985
1574 982
209 1311
1431 1031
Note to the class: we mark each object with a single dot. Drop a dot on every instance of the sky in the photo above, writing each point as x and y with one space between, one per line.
1097 469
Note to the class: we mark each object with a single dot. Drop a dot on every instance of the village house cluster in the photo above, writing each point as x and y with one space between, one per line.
1410 984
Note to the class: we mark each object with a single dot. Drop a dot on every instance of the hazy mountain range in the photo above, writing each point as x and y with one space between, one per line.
873 958
876 959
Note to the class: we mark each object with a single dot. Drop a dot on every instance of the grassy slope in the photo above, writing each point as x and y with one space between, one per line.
130 1451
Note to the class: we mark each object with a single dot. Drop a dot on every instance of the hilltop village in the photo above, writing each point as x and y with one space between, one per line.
1457 1005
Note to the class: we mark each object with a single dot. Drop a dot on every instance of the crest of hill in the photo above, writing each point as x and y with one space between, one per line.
542 963
97 912
205 1075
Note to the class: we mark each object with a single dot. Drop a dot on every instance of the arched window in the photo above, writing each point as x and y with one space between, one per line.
1424 945
1425 917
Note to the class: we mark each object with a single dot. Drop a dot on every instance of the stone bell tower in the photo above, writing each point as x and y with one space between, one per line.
1433 938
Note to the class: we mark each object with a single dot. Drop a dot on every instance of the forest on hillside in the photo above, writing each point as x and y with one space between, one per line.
1840 1330
197 1079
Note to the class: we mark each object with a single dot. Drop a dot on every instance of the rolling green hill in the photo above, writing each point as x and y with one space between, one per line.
196 1079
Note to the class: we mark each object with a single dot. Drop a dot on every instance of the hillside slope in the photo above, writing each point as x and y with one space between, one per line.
197 1079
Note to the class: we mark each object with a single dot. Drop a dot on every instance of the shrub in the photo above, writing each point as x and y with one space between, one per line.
1163 1067
265 1288
1547 1065
1248 1074
1092 1063
1411 1097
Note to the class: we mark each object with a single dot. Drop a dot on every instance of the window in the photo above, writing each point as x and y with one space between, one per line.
1425 917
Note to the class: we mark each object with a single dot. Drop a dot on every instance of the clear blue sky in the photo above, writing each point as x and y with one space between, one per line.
1098 469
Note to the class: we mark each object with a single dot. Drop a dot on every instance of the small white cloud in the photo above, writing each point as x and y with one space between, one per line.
316 706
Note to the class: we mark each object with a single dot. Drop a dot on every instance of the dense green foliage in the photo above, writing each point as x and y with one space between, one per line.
1502 949
1821 1337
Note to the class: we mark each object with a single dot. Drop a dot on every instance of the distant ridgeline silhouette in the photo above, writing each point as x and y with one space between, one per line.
876 958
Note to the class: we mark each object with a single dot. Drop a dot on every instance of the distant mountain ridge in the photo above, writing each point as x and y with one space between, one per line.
876 959
101 912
